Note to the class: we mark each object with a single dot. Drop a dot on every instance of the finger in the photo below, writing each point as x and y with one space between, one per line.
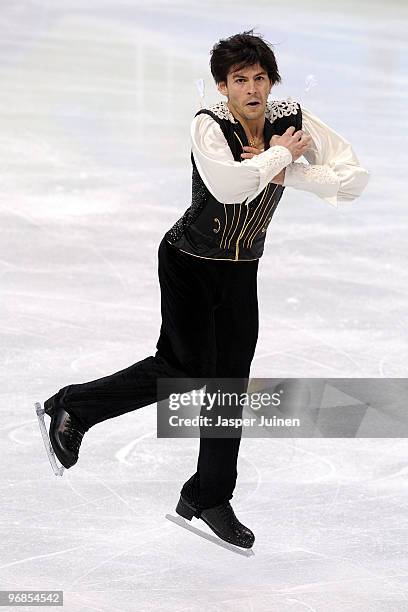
291 129
297 135
251 149
247 155
304 140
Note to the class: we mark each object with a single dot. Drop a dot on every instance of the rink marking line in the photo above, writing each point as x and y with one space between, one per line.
22 332
59 552
298 357
114 493
64 298
316 457
312 336
98 251
302 603
115 556
259 478
121 454
23 215
65 509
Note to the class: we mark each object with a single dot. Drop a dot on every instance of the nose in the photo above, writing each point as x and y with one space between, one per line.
251 86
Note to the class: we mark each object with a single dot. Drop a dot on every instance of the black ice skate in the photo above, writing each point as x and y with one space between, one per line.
65 435
221 519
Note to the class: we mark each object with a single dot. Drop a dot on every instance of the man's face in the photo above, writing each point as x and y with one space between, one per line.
244 86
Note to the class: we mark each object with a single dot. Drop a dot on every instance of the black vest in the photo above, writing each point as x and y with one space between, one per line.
236 232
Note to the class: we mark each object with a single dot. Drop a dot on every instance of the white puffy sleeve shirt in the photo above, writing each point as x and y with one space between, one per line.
333 173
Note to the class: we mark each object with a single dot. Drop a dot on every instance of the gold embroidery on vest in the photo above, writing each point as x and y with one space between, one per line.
255 210
237 224
259 222
231 224
225 226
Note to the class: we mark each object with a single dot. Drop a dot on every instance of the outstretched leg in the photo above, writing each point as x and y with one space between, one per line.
185 350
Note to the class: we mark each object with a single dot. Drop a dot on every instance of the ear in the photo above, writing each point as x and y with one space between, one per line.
222 88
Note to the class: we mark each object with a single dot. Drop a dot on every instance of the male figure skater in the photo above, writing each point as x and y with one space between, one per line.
243 156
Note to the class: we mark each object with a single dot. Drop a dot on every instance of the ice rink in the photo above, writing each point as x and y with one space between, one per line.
96 103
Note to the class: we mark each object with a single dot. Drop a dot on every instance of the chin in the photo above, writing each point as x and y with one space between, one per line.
259 111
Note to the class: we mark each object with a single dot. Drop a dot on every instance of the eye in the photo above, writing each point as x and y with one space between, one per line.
238 80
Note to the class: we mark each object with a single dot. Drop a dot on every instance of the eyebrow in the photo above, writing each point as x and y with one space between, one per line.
234 74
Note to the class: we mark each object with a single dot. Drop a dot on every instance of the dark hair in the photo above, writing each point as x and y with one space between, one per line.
243 50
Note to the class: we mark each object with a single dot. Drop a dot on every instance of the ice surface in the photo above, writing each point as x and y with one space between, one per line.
96 102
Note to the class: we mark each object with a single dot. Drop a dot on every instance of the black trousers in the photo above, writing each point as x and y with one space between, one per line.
209 329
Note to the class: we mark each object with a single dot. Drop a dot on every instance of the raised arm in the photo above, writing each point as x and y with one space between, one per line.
228 180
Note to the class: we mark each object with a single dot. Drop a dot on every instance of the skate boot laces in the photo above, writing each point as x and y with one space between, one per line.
74 433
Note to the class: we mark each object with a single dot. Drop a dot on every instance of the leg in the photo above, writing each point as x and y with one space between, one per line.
185 348
236 325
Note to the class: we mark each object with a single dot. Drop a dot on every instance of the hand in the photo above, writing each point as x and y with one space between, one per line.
249 152
297 142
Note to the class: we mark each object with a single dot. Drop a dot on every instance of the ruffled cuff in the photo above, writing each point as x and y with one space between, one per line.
318 179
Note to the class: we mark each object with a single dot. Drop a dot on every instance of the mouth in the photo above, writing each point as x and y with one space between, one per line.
253 103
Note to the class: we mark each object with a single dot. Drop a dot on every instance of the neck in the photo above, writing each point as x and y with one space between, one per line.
253 127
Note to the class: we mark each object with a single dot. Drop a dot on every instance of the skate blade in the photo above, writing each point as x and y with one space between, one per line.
181 522
58 471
